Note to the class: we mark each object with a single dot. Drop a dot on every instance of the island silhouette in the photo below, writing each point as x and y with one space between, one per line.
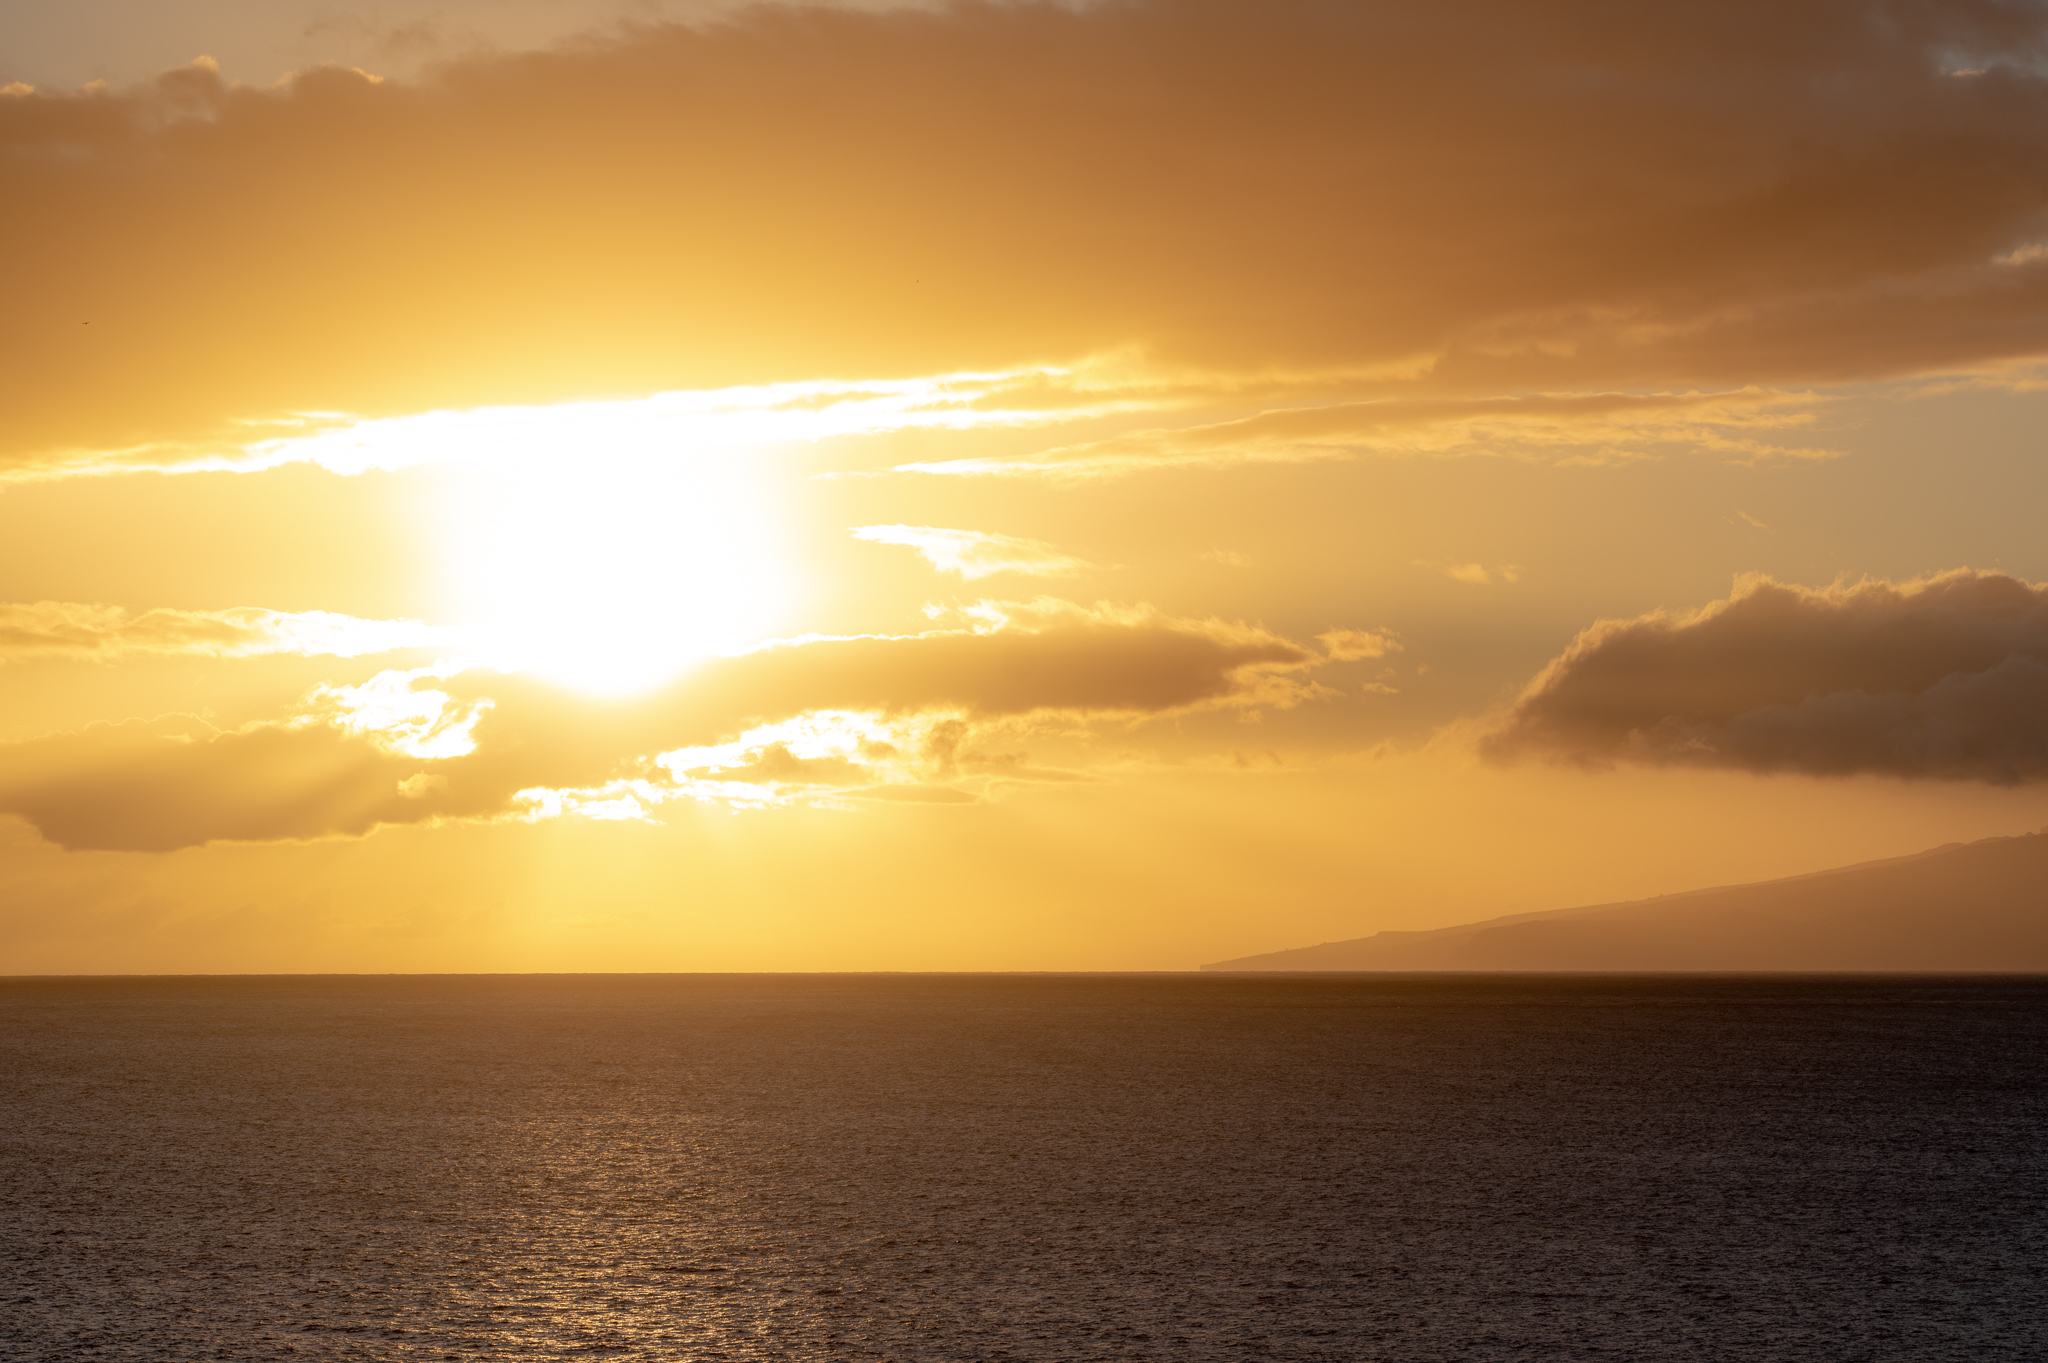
1961 907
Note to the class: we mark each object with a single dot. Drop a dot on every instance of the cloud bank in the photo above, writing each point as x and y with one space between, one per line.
1476 195
1941 677
415 746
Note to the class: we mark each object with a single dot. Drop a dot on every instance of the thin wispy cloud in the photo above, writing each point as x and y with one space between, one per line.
1744 426
77 630
1354 645
667 425
972 554
1476 574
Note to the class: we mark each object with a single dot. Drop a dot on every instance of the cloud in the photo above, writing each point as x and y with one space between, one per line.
1476 574
436 743
69 629
973 554
1940 677
838 753
1353 645
656 425
160 785
1559 428
1482 195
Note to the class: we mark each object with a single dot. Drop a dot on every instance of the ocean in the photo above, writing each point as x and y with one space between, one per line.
961 1167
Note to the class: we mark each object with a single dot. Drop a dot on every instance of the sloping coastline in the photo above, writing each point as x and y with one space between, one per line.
1965 907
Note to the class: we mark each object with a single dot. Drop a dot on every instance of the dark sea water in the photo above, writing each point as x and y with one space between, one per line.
961 1167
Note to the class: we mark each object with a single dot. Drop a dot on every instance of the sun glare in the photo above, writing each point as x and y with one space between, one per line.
611 544
729 418
612 567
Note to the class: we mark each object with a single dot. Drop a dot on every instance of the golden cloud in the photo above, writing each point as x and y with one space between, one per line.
1488 197
1558 428
1354 645
973 554
69 629
1476 574
413 746
1940 677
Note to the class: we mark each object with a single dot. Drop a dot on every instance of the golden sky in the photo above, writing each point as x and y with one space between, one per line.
999 486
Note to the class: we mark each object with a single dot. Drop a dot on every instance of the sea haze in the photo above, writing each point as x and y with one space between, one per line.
987 1167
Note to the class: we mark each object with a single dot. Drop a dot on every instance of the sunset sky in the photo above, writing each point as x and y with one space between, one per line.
569 485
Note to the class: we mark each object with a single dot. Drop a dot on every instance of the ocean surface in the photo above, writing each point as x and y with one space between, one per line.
1024 1167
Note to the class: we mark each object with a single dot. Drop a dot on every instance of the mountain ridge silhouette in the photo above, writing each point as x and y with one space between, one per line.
1977 907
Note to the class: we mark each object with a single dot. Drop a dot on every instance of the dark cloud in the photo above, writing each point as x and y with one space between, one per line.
158 786
1498 196
1946 677
347 765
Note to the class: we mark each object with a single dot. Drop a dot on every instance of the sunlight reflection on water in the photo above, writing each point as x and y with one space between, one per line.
1037 1168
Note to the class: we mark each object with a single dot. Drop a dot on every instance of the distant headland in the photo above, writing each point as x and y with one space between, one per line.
1965 907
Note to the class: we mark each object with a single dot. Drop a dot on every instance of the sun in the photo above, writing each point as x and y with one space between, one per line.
608 565
610 544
